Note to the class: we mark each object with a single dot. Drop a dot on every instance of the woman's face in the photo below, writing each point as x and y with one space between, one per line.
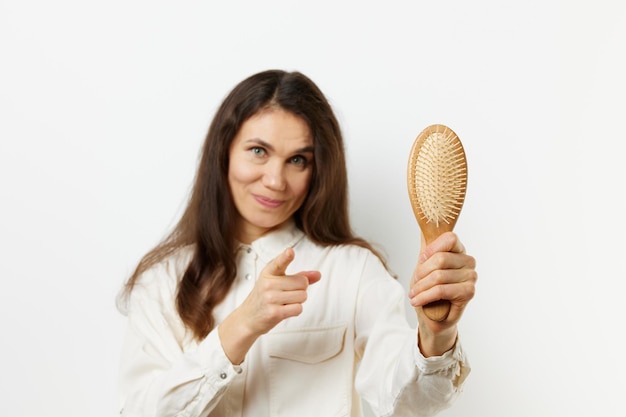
270 166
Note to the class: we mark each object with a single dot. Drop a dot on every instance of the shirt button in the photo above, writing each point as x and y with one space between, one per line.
248 277
223 375
249 250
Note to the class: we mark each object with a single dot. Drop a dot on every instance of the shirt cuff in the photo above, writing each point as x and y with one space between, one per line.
453 360
214 363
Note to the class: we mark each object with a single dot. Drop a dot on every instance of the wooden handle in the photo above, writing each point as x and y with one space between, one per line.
437 310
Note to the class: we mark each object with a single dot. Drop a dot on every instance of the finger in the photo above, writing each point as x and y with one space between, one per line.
428 296
443 276
312 276
278 265
299 281
458 293
442 268
444 260
446 242
286 297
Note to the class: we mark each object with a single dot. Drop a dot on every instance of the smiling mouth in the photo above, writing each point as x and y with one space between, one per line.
267 202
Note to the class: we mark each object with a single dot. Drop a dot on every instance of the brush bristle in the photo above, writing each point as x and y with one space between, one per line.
440 177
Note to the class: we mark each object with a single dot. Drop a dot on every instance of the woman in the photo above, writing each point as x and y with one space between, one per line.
261 301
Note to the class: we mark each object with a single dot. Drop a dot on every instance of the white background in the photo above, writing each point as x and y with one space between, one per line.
104 106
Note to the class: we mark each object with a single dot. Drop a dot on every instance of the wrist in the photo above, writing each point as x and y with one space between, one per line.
436 344
236 338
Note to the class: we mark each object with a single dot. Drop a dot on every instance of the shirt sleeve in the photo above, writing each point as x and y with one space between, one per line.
394 377
158 377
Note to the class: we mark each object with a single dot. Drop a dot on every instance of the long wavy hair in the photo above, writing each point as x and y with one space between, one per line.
209 220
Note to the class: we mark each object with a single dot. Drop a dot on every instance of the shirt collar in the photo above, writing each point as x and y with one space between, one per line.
272 244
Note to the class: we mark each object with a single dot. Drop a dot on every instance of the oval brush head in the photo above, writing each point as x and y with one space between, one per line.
437 181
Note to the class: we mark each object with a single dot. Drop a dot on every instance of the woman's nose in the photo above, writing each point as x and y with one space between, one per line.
274 177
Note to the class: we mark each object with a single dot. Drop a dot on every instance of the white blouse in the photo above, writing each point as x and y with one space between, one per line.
351 342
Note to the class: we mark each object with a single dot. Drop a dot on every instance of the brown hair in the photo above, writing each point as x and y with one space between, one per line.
208 222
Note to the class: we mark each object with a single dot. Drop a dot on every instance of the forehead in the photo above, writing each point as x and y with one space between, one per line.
274 126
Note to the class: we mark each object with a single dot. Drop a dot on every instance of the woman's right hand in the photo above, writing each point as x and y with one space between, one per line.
275 297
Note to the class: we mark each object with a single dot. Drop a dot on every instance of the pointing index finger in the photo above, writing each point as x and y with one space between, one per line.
278 266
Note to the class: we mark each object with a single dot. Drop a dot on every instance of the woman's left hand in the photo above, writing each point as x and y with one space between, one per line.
444 272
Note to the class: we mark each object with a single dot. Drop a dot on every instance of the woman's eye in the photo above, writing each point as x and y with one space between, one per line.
258 151
299 160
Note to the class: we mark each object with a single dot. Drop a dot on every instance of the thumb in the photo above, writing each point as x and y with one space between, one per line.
423 256
279 265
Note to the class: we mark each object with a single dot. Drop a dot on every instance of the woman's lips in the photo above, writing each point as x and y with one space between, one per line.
267 202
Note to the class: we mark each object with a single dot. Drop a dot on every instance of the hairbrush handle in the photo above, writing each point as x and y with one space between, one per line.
437 310
437 181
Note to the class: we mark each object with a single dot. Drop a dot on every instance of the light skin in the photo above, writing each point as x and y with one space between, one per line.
270 168
444 271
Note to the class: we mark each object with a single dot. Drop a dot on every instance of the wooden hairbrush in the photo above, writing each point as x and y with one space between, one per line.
437 181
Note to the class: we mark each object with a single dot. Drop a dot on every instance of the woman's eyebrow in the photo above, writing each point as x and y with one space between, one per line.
306 149
261 142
